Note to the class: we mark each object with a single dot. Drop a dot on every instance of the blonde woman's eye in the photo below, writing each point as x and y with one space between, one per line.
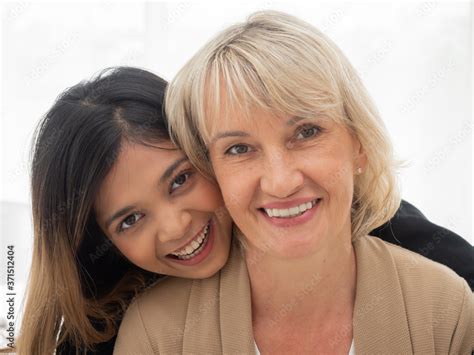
130 221
179 181
308 132
237 149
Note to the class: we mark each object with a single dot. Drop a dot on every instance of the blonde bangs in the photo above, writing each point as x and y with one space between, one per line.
239 80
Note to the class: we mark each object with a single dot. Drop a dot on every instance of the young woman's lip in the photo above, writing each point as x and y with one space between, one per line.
288 204
292 221
190 240
204 253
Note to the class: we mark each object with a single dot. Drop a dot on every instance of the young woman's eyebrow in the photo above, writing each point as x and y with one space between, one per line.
169 171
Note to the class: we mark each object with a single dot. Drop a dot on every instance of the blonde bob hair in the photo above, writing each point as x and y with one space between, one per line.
283 65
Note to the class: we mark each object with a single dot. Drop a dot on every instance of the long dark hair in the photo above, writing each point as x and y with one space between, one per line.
79 284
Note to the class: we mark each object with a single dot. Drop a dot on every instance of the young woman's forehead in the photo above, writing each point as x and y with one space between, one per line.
136 166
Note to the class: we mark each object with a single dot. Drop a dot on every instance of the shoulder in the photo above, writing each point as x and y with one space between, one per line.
161 309
413 268
168 294
166 299
434 296
410 229
415 272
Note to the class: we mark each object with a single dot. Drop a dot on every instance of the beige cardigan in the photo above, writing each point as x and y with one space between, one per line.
405 304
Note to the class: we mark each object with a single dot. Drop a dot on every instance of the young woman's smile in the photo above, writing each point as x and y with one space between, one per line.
162 215
197 249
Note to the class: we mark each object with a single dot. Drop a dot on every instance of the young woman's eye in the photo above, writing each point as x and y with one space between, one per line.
307 132
130 221
180 180
237 149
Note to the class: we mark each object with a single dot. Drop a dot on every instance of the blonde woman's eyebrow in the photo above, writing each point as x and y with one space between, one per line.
227 134
294 120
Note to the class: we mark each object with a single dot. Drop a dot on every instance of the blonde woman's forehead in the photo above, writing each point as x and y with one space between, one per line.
237 122
243 111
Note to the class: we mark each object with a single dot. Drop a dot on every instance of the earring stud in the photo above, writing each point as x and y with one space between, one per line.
359 170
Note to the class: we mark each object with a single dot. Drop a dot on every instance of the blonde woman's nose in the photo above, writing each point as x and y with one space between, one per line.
280 176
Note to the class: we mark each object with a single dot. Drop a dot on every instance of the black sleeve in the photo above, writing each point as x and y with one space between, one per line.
106 348
101 349
410 229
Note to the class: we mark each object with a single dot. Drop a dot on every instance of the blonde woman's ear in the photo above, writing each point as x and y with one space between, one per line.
360 158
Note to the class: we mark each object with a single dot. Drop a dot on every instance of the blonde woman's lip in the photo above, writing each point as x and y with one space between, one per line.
288 204
290 212
293 216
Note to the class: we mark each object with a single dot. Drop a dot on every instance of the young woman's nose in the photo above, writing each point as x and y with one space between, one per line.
174 224
280 176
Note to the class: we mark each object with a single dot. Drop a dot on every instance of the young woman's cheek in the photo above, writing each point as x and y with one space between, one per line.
206 196
136 245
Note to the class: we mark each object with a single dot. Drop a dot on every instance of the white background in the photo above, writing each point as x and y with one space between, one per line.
414 57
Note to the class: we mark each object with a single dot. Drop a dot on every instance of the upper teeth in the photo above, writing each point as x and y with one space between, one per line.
290 212
194 244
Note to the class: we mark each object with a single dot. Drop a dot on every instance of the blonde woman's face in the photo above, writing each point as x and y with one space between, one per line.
162 215
287 182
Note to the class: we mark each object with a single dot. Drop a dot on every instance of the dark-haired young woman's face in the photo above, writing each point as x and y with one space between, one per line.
163 215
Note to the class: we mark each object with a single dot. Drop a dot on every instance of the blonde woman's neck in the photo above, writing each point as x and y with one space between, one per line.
305 303
315 286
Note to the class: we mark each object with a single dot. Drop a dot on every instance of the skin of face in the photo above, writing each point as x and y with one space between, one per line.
281 162
170 205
